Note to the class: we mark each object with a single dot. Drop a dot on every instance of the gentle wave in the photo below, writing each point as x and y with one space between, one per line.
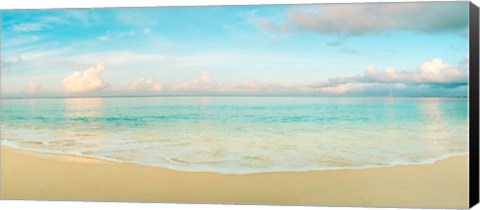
242 135
306 169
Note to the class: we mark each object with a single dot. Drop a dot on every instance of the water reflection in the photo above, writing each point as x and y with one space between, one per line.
83 107
83 119
242 134
435 127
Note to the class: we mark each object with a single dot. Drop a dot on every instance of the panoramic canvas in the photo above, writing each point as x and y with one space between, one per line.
318 104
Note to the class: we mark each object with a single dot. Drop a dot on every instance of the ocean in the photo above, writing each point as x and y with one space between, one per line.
241 135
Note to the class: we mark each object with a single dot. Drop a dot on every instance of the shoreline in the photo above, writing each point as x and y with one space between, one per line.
425 162
41 176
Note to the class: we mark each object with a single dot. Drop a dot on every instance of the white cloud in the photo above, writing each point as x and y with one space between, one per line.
137 17
41 22
87 81
104 38
258 87
7 64
147 85
85 17
342 88
20 40
34 87
117 35
27 27
52 19
200 83
373 17
434 71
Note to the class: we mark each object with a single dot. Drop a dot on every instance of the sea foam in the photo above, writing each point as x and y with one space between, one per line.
242 134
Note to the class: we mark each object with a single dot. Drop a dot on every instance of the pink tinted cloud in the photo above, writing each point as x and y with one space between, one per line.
434 71
146 85
201 83
34 87
86 81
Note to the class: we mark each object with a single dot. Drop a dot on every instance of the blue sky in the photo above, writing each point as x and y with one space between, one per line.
412 49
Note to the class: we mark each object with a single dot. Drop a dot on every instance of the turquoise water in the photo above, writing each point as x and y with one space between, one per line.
242 134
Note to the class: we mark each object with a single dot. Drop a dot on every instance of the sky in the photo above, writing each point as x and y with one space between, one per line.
370 49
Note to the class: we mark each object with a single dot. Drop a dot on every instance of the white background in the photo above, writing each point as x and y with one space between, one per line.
39 4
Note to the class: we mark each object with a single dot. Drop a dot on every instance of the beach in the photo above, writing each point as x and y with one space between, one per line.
27 175
253 104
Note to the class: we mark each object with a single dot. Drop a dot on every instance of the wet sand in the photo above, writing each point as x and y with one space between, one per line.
39 176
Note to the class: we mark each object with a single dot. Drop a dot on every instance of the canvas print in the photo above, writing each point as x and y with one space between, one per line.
316 104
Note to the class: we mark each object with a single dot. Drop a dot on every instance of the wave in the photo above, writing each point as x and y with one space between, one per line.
182 165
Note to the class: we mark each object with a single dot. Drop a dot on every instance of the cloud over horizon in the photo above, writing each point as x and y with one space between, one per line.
34 87
146 85
198 84
85 82
433 72
429 78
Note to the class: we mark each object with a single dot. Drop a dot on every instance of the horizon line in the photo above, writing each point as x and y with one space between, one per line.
273 96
